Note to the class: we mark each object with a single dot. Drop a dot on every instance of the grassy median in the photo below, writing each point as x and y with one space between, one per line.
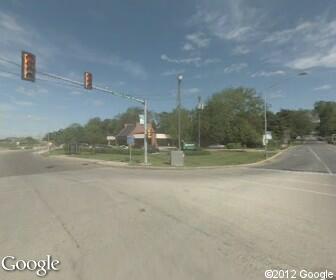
192 158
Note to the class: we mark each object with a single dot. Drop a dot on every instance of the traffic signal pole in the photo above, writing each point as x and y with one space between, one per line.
28 69
138 100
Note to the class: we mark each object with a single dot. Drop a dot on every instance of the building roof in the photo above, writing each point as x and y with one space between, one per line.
127 130
131 129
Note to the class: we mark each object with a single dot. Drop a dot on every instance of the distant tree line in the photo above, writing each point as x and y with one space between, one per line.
234 115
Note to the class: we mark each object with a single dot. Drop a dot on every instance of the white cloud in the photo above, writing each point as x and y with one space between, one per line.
98 103
211 61
6 107
316 58
235 68
197 61
76 92
23 103
308 44
34 118
323 87
191 91
131 67
14 38
187 47
31 92
6 75
180 60
268 74
233 20
241 50
172 72
281 37
9 23
196 40
277 95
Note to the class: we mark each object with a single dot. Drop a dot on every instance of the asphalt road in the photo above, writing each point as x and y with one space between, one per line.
17 163
119 223
310 158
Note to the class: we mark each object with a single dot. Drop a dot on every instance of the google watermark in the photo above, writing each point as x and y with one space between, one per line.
298 274
39 267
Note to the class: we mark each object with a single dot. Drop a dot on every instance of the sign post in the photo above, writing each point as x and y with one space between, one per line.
130 143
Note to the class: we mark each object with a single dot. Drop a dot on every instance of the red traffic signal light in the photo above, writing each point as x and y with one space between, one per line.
87 80
28 66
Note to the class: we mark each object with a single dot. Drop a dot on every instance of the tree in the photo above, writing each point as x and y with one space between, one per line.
94 132
327 114
168 123
233 116
294 123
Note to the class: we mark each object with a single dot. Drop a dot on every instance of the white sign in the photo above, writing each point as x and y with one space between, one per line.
269 135
141 119
266 138
110 138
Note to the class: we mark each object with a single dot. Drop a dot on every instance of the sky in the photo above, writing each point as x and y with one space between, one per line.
139 48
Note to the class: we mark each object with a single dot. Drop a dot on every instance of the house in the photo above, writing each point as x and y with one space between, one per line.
137 131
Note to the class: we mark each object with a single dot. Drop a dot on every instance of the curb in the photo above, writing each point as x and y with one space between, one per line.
126 165
102 162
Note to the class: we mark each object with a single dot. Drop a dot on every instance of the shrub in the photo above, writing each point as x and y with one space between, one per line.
234 146
197 153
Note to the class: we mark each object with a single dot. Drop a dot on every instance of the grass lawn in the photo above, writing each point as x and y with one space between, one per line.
214 158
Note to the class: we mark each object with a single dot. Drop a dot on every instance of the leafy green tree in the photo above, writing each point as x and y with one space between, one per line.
327 114
168 123
94 132
233 115
294 123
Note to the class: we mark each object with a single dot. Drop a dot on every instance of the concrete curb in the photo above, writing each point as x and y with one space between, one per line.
102 162
126 165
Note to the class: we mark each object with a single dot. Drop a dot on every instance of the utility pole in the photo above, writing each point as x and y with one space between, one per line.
48 142
265 118
145 132
179 80
199 121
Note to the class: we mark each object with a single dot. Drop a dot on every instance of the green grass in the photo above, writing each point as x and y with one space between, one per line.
214 158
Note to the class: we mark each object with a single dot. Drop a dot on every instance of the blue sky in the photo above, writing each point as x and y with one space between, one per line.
139 47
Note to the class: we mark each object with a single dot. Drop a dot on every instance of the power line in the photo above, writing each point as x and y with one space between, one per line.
9 72
10 61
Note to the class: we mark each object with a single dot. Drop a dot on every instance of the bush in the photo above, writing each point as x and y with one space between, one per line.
273 145
234 146
197 153
115 151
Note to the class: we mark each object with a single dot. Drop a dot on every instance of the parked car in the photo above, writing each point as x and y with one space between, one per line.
189 146
216 146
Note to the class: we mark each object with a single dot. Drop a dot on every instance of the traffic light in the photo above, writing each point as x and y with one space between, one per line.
28 66
87 80
149 133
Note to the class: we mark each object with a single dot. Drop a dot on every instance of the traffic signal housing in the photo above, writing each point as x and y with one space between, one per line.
149 133
28 66
87 80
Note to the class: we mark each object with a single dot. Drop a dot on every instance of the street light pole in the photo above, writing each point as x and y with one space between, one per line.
199 121
145 132
48 142
265 133
303 73
179 80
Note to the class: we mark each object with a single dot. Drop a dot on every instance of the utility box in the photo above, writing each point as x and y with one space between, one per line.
176 158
